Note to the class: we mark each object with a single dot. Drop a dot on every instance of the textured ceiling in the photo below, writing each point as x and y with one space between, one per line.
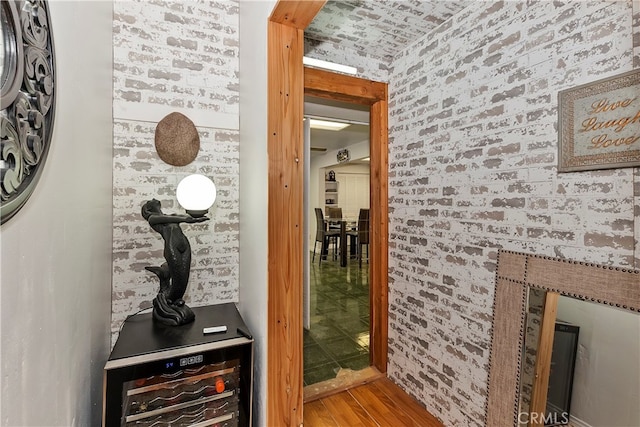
382 29
379 27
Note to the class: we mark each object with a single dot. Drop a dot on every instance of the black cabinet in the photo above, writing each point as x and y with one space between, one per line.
160 375
563 362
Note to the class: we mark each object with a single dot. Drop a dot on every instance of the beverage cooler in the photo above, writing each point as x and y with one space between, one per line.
161 375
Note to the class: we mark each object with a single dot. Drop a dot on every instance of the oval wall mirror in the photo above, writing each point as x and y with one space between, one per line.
27 100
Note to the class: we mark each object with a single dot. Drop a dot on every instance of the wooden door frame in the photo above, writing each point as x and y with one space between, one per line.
340 87
542 370
288 81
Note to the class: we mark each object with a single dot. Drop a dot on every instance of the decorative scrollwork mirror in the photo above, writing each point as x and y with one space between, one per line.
27 100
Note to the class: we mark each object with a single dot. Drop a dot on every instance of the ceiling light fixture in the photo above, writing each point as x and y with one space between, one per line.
312 62
327 125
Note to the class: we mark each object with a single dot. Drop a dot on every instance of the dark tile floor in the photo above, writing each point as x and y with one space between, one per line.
338 336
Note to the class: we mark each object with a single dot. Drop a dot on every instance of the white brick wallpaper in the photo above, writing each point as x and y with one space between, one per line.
174 56
473 142
384 27
636 33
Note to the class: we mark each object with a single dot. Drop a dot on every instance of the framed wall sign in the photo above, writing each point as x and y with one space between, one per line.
599 124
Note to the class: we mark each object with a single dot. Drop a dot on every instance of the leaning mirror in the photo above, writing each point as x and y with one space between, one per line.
543 281
589 355
27 100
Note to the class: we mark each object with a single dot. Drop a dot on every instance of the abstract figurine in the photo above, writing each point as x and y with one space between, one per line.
168 306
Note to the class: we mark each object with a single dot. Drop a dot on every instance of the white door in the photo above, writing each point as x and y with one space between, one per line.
354 192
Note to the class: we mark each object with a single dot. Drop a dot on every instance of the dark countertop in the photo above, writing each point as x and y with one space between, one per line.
141 335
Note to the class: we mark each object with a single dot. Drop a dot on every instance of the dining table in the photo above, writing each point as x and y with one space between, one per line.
345 224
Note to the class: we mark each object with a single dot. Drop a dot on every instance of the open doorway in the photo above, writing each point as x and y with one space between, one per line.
336 312
288 81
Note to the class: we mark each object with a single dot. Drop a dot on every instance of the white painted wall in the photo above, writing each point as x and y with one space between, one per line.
55 289
254 189
354 188
606 387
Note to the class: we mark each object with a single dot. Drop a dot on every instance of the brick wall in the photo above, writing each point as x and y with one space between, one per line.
174 56
473 142
636 33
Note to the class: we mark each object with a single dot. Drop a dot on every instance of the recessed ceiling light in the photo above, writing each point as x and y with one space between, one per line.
312 62
327 125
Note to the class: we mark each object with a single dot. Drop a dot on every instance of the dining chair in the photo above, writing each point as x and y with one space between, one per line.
362 234
323 235
334 213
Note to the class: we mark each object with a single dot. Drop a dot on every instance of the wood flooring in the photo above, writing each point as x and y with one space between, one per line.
379 403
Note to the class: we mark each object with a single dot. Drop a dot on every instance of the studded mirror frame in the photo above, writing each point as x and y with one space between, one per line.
516 273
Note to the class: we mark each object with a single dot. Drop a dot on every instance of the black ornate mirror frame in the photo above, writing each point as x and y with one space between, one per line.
27 100
517 272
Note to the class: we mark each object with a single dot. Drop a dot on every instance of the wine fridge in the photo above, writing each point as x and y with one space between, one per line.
181 376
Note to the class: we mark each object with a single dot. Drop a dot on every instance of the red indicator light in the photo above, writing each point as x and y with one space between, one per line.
219 385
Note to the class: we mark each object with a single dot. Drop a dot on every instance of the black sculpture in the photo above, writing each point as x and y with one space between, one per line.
168 306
